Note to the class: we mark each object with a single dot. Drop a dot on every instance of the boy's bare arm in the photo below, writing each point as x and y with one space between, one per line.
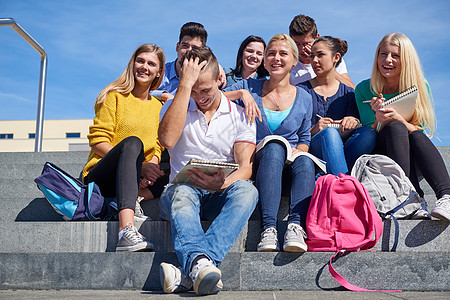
172 123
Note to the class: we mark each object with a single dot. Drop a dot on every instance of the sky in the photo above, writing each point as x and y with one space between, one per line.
89 43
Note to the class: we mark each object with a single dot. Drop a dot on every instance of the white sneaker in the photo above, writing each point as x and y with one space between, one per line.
206 277
423 212
173 280
442 209
139 213
294 239
269 241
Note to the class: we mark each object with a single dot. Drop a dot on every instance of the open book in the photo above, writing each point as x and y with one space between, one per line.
404 103
289 157
346 133
208 167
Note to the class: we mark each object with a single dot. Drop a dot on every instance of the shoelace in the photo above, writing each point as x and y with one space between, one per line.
198 266
297 230
269 233
138 210
133 234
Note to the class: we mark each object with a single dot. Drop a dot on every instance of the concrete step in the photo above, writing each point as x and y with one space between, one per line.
86 236
39 158
241 271
40 251
31 171
101 236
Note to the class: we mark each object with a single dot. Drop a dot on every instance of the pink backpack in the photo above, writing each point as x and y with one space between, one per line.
342 217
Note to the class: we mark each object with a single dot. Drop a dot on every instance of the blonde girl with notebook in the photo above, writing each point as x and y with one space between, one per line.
396 68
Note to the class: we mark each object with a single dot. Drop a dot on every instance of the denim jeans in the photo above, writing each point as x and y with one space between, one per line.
185 206
270 162
339 155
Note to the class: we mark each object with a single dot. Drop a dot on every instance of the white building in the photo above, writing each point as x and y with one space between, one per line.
58 135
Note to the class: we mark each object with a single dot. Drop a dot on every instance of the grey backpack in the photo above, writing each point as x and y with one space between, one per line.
388 186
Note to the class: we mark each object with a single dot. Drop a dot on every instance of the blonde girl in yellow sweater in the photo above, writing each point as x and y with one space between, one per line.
125 151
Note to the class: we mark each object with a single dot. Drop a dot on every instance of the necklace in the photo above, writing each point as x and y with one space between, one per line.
278 107
273 98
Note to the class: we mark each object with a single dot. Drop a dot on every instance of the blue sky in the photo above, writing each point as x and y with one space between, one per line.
88 43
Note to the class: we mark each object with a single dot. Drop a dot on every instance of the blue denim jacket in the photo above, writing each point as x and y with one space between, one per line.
170 81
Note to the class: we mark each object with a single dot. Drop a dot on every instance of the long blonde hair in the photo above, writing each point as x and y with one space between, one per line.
411 74
125 83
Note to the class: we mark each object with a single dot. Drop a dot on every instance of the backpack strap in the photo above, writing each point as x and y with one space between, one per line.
344 282
89 190
396 226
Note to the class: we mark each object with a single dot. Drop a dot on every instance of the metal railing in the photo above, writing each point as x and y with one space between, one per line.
42 78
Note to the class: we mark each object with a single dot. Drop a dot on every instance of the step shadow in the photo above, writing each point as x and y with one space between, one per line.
421 234
152 282
426 232
38 210
320 272
285 258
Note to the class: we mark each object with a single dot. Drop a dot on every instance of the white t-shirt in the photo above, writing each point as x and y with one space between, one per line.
213 141
304 72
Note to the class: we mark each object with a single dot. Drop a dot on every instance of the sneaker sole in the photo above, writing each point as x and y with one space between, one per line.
141 247
421 215
208 282
440 214
268 249
295 247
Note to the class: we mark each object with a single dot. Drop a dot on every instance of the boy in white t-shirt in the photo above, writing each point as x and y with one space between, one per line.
303 31
201 123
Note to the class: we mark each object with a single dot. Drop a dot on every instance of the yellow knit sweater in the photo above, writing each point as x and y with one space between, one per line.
121 116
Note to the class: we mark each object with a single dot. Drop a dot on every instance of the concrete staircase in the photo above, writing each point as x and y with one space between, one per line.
38 250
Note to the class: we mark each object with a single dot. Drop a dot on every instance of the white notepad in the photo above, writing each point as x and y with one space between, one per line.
404 103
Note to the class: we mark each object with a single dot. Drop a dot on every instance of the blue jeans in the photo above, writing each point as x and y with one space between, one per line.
270 162
339 155
185 206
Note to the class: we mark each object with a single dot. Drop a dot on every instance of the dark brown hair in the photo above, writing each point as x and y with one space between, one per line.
203 53
335 45
194 30
302 25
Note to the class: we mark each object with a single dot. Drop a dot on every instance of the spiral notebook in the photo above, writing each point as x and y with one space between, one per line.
208 167
346 133
404 103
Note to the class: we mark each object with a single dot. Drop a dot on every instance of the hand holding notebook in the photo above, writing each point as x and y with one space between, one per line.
404 104
207 167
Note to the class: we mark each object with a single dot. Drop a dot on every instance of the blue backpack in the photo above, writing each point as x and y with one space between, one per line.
69 196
